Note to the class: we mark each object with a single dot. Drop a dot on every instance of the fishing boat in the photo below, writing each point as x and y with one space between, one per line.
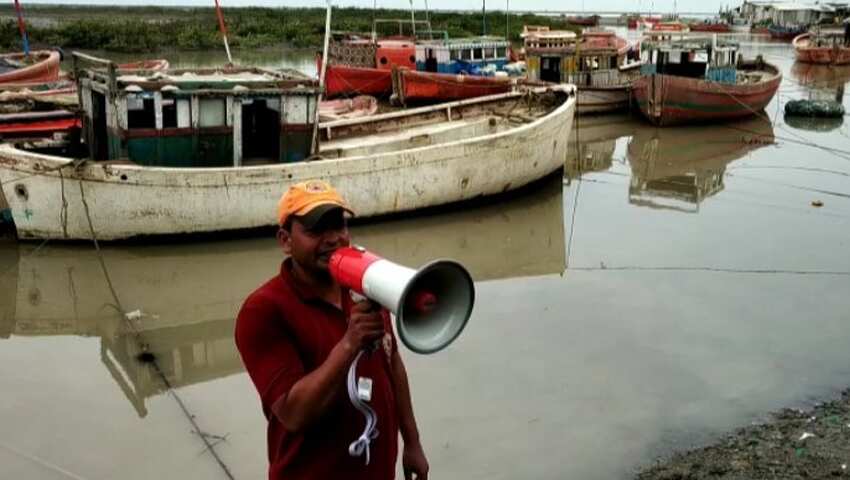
690 79
38 66
38 124
211 150
711 27
601 64
410 86
586 21
640 22
152 64
823 48
759 30
786 32
672 26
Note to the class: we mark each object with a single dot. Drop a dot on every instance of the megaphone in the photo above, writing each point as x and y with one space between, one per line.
431 305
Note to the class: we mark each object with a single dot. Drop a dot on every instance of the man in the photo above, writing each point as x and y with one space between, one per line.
297 346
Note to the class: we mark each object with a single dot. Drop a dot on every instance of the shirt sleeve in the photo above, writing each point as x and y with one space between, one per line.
267 349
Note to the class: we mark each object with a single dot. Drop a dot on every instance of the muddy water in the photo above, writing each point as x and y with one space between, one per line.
675 284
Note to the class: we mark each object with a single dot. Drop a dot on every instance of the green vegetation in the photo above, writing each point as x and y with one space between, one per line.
148 29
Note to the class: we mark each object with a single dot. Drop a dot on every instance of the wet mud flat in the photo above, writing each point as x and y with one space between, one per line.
789 444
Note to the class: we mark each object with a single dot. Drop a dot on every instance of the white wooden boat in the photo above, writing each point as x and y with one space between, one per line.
383 164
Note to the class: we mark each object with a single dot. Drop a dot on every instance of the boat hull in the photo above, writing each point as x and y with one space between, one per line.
672 100
805 52
341 80
48 200
45 70
413 86
710 27
592 100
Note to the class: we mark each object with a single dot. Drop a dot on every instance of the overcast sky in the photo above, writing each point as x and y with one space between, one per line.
572 5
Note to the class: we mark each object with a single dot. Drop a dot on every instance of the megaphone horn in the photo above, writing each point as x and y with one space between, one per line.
431 305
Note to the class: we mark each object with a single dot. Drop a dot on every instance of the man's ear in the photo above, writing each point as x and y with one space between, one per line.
284 239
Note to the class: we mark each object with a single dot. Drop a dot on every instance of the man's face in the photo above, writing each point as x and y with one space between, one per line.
311 248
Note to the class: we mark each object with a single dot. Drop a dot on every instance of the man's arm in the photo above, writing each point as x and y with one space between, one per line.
312 395
413 457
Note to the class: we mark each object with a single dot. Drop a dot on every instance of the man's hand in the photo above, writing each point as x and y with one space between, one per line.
365 325
414 463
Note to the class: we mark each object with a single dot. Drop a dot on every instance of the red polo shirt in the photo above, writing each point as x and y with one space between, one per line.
283 332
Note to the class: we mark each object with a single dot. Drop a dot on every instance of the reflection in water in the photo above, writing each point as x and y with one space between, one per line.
676 168
184 298
822 82
593 142
814 124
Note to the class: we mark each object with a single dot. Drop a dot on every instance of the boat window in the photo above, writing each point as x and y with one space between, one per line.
501 52
212 112
140 112
454 54
478 54
489 53
466 54
169 113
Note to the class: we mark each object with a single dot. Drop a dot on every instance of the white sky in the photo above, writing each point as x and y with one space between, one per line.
706 6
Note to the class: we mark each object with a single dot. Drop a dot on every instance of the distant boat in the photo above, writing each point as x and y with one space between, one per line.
600 64
186 152
635 23
39 66
710 27
674 26
584 21
823 48
692 80
780 32
760 30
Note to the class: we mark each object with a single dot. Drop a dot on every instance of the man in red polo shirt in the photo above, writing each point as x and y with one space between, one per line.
297 346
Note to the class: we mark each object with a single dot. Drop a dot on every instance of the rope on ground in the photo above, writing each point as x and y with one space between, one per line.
137 336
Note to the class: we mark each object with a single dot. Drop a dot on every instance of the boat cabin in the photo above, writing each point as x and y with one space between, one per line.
689 56
476 55
197 118
595 59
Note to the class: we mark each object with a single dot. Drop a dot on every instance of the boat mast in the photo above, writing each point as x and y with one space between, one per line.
223 29
413 19
22 27
484 17
314 143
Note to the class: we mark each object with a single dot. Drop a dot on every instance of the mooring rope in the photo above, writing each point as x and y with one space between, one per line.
137 335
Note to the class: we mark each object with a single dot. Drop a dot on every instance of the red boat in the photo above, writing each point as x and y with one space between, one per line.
412 86
636 22
710 27
708 82
39 66
670 27
29 125
590 21
823 49
364 67
759 30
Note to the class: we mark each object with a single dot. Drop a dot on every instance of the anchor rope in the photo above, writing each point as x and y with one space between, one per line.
137 335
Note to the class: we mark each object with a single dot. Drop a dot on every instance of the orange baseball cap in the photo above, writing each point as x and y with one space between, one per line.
314 197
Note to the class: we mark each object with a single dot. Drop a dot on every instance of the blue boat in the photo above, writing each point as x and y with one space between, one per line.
473 56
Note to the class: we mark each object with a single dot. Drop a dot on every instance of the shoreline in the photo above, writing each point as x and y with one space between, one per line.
789 444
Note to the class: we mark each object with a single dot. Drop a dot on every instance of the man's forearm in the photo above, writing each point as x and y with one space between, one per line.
404 404
311 396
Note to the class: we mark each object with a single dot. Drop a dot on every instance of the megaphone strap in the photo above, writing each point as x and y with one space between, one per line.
361 446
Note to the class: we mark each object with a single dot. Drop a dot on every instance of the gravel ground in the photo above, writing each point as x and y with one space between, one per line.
791 444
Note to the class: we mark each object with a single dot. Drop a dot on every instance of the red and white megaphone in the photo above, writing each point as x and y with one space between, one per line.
431 305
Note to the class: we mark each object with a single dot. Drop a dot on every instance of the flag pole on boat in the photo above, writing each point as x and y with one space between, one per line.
23 28
314 145
413 19
223 29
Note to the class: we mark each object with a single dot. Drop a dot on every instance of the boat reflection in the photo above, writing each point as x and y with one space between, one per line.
676 168
593 143
183 298
822 82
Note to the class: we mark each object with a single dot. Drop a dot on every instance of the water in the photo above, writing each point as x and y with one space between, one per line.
676 284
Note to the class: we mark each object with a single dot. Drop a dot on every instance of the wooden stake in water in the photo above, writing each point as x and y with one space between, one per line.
223 29
22 27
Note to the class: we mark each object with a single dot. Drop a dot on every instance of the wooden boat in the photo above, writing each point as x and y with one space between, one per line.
635 23
759 30
826 48
677 27
781 32
691 80
40 66
360 106
410 86
710 27
30 125
146 177
599 63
